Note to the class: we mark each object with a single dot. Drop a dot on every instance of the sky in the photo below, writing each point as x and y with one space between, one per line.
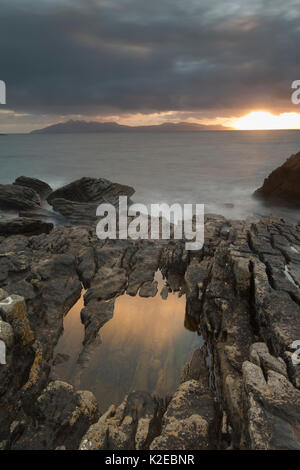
146 62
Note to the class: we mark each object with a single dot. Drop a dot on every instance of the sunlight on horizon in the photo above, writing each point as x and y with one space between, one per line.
263 120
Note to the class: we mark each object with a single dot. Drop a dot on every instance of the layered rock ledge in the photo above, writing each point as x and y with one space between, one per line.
241 390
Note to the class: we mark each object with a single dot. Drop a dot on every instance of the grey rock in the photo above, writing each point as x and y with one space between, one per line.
148 289
77 213
40 187
259 355
25 226
190 420
78 201
282 185
91 190
62 417
272 410
94 316
6 334
18 197
132 425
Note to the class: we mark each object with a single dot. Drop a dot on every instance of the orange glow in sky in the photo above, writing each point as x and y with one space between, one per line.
260 120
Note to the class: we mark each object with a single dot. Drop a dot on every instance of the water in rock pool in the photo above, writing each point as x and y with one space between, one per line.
143 347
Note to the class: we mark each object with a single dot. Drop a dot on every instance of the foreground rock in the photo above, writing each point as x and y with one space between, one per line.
282 185
132 425
271 408
40 187
240 391
18 197
61 416
190 421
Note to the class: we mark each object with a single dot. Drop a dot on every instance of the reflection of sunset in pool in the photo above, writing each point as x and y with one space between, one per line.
144 347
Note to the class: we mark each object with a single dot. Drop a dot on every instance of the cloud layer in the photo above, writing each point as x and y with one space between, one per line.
201 57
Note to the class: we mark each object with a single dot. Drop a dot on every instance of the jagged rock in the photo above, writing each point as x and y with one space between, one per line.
13 310
40 187
19 358
94 316
259 355
272 410
242 289
283 183
61 416
195 280
145 263
86 266
25 226
6 333
196 368
132 425
190 420
18 197
106 283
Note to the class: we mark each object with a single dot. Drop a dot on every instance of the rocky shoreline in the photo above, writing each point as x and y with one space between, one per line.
240 390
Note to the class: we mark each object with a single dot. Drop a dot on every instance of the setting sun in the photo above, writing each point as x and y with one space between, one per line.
263 120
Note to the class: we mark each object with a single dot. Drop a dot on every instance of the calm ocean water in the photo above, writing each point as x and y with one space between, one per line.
219 169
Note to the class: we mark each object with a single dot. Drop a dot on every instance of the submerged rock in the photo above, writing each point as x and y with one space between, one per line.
149 289
282 185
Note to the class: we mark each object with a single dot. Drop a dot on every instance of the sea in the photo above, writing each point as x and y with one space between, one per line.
220 169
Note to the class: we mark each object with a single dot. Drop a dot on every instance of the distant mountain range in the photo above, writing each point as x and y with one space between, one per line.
92 127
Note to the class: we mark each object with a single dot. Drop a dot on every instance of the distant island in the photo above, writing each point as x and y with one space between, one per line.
93 127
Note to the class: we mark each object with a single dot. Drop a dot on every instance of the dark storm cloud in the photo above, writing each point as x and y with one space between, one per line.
137 55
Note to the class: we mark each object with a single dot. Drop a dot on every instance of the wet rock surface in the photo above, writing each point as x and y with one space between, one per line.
241 391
